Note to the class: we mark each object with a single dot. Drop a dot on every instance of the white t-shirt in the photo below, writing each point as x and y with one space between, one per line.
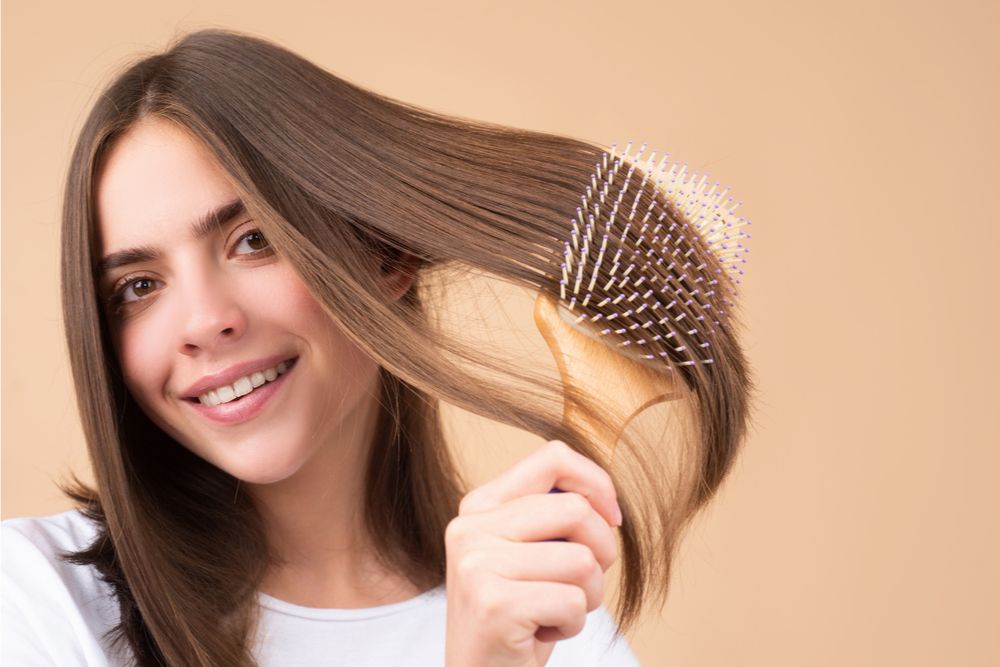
54 613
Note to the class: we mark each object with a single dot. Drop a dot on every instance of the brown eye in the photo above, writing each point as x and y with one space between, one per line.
140 286
133 290
255 241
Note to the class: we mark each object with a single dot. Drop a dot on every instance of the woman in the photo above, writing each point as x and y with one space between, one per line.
245 239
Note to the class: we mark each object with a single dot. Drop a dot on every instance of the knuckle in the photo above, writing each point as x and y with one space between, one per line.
470 566
468 503
560 454
577 507
491 602
578 601
596 596
558 446
582 562
564 451
455 532
510 644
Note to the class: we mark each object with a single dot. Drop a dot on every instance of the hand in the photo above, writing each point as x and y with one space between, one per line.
512 595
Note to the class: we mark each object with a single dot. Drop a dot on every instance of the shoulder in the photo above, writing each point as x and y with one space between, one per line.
51 605
46 535
32 547
597 644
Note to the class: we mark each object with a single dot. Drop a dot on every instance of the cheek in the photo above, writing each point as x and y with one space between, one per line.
142 351
300 303
348 362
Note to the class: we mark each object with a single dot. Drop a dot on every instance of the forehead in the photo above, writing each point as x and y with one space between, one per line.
154 180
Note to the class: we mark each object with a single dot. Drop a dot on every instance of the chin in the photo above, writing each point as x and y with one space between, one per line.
263 479
255 469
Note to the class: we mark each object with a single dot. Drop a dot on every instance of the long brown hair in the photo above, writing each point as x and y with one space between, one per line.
345 182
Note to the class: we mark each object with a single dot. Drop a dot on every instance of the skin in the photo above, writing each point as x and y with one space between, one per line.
208 303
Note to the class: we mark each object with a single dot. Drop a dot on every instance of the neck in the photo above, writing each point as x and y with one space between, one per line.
315 525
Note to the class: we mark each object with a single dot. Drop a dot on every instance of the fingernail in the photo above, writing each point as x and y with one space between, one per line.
618 514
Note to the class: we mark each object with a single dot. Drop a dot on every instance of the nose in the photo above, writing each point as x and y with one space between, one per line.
213 318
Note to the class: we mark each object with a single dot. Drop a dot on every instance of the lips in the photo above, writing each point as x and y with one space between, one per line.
245 408
231 375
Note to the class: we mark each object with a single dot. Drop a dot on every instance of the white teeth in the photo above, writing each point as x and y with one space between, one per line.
242 386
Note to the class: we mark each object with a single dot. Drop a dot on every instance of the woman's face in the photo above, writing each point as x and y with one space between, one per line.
198 301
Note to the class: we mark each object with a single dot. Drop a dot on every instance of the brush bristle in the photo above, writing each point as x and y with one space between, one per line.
653 260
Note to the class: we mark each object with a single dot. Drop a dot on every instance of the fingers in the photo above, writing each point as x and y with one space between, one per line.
511 593
554 464
552 606
538 517
562 562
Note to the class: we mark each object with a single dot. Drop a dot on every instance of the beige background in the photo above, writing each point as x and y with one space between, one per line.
860 526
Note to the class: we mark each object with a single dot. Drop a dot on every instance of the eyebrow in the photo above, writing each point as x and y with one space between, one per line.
202 227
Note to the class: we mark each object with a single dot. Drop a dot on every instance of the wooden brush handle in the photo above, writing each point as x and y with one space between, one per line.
598 371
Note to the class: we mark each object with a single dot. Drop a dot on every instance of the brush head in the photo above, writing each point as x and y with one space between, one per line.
652 259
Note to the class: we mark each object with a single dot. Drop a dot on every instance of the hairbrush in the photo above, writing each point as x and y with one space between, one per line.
649 271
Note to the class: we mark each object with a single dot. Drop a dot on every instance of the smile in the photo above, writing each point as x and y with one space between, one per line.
244 385
243 400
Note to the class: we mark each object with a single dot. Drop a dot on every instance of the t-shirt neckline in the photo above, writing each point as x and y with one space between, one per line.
343 614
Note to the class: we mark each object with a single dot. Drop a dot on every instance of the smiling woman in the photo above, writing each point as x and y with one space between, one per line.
197 315
244 277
